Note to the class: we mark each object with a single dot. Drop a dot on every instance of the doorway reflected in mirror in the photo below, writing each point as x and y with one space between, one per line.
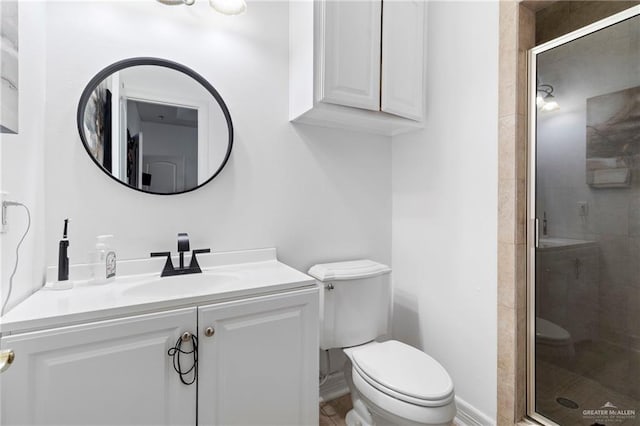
155 126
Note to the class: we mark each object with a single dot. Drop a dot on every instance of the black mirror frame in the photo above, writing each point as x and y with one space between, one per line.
127 63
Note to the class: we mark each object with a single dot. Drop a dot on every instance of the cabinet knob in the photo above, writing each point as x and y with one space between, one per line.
186 336
6 358
209 331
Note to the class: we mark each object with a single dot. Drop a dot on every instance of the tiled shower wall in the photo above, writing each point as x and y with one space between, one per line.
563 17
517 33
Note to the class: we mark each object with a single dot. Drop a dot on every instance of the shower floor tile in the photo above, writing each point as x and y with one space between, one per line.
554 381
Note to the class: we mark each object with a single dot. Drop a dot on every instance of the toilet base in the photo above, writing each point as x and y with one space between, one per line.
555 352
354 419
382 417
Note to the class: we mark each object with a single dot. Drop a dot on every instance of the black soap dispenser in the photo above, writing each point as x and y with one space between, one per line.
63 256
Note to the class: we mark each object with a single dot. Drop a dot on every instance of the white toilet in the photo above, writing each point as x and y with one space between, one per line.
391 383
553 341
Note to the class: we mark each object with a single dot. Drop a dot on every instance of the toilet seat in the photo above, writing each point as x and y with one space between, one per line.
404 373
551 333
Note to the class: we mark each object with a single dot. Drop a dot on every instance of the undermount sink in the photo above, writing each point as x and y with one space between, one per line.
181 285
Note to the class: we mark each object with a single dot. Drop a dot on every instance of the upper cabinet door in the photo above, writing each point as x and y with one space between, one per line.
114 372
351 57
403 58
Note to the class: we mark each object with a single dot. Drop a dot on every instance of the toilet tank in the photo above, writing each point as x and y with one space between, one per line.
355 302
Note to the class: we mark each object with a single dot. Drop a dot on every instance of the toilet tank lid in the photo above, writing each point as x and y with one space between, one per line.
348 270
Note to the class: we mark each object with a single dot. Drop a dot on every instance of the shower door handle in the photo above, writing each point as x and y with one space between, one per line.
536 232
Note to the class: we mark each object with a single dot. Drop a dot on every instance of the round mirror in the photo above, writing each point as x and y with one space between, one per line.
155 126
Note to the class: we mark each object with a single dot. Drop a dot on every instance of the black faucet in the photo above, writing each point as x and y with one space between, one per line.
183 246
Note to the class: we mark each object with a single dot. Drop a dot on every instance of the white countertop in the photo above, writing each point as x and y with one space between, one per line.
226 276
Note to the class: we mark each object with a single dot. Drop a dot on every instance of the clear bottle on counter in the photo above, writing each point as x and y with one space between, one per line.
102 261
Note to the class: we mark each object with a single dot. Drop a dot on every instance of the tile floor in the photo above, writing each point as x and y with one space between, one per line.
332 413
600 373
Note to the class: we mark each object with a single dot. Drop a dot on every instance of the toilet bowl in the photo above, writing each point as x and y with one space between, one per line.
553 341
391 383
397 385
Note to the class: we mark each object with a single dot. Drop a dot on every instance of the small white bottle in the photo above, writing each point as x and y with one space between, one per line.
102 261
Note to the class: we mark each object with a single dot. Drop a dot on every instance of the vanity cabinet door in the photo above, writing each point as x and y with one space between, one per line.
114 372
259 361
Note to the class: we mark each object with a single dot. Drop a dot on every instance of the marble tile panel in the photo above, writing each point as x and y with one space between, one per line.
507 99
506 403
506 274
507 147
521 148
522 83
520 281
506 210
521 212
527 28
609 212
511 214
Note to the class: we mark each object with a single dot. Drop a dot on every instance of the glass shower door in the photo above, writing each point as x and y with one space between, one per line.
586 199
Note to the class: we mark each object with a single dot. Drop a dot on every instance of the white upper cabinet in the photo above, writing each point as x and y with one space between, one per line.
351 63
403 58
357 64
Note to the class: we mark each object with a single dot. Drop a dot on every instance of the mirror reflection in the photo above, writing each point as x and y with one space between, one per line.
155 128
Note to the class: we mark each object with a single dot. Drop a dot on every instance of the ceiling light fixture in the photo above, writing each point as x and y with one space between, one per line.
227 7
545 100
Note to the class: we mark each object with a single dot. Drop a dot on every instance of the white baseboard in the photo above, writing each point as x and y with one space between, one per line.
335 387
468 415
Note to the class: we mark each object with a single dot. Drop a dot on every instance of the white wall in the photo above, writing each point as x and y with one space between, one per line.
445 205
315 194
23 160
134 124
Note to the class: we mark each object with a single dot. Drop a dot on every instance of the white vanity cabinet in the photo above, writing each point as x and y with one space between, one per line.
114 372
259 361
257 365
358 64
